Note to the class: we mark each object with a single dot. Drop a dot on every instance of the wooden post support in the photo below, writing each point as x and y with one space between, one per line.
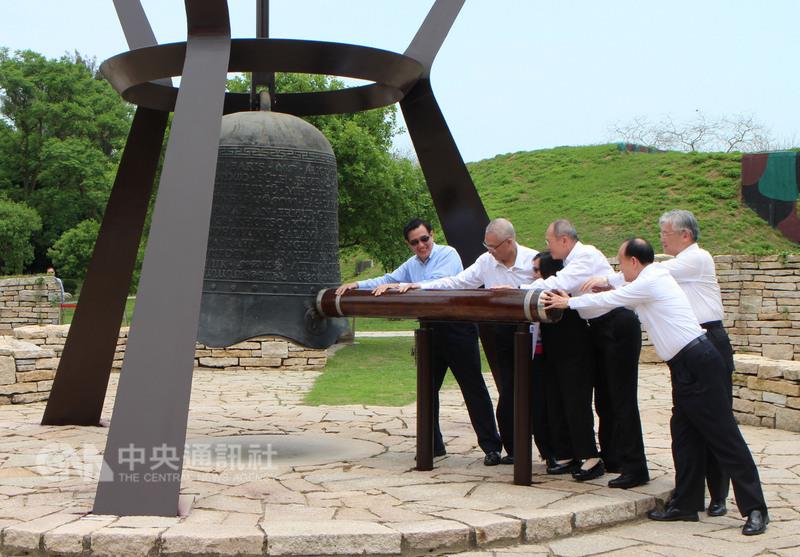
522 405
425 394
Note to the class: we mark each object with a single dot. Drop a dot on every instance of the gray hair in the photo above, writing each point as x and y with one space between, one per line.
681 219
502 228
563 227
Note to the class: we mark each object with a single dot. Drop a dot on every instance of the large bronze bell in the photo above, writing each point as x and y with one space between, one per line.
274 235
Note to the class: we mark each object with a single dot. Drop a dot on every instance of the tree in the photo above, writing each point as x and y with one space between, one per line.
17 223
740 132
72 252
63 128
378 190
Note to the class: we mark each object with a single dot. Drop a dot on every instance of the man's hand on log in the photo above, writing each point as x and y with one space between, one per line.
345 287
596 284
406 286
378 290
555 299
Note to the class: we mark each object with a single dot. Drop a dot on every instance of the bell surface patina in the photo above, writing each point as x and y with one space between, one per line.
274 235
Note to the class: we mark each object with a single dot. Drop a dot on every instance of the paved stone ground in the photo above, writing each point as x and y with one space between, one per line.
374 503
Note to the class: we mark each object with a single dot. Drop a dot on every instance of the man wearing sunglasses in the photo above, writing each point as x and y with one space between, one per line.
455 345
505 263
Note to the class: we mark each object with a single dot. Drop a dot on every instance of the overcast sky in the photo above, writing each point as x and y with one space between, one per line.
514 75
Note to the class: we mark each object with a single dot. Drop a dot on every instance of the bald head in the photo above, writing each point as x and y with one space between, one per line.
634 255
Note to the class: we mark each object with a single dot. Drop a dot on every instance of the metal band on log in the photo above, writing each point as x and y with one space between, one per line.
502 306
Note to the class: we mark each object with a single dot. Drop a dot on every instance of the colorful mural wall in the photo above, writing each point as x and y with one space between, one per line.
770 187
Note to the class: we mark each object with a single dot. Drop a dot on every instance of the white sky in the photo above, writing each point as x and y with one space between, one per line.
514 75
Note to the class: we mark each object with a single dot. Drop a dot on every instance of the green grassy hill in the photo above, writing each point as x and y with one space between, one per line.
610 195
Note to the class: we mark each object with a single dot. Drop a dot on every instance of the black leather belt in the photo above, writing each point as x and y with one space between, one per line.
683 351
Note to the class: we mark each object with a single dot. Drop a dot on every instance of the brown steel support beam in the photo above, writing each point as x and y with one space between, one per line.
455 198
81 381
423 337
143 459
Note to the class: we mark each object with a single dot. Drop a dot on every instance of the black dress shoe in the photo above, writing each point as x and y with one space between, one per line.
581 475
492 458
673 513
627 481
756 523
717 508
568 467
508 459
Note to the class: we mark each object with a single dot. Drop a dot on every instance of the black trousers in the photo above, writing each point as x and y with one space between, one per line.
548 422
567 352
504 352
702 418
616 342
455 345
717 479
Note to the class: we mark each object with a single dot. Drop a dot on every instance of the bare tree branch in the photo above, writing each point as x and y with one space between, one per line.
740 132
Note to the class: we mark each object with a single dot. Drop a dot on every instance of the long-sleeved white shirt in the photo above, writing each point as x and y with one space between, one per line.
696 273
489 272
582 263
662 307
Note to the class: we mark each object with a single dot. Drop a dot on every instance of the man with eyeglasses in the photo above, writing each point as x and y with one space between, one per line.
694 270
505 263
454 345
614 337
702 417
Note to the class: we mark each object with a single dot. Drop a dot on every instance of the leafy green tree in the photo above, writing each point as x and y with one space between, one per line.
63 128
72 252
378 191
17 223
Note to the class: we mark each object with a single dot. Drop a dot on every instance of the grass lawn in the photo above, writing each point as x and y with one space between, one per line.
68 313
374 371
381 324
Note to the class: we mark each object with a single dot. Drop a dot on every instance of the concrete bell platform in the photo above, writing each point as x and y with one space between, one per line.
267 475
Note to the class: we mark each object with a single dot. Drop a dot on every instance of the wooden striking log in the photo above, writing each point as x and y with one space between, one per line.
499 306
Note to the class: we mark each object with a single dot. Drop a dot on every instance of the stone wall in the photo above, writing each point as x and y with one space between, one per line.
762 303
767 392
26 371
28 300
761 297
29 359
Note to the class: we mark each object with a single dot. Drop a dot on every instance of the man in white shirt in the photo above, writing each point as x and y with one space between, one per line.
615 339
504 263
701 415
693 269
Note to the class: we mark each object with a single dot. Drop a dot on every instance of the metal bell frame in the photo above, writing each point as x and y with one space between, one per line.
143 459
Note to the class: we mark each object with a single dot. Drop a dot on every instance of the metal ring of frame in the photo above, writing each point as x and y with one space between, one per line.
541 311
338 302
526 305
318 302
132 74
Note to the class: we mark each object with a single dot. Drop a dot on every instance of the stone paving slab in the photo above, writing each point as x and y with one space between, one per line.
371 501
